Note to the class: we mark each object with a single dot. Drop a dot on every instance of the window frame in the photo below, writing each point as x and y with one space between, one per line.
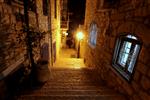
93 45
119 43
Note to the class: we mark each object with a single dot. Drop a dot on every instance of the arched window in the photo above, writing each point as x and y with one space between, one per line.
93 34
125 55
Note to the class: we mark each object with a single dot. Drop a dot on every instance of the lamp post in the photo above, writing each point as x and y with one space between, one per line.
80 36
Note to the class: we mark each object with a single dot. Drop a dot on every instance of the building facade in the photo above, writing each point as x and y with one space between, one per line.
64 22
117 44
44 28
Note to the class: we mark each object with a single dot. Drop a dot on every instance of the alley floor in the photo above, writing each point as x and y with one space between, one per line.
71 80
68 60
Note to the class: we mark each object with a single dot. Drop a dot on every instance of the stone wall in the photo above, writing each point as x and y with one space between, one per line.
12 38
13 46
43 20
12 43
129 16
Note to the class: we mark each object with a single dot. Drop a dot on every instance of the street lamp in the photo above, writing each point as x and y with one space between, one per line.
79 36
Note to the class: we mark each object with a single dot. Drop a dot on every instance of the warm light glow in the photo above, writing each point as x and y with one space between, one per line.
80 36
77 67
66 33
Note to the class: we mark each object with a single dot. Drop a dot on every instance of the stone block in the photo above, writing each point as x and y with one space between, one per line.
145 82
141 55
129 15
138 12
136 97
138 19
115 24
119 16
119 80
125 8
9 10
112 43
136 86
1 10
144 11
148 1
127 87
144 96
137 76
142 68
1 1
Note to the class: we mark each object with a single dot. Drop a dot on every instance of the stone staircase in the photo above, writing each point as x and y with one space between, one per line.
71 84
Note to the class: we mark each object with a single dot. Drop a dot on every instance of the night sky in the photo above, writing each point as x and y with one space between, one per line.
77 7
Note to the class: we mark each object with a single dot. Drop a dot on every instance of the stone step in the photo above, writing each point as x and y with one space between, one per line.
72 80
75 81
72 71
73 87
47 92
69 76
71 97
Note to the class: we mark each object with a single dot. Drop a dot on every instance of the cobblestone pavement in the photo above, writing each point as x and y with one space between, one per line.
71 80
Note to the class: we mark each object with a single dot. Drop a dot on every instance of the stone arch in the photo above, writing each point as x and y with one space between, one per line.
138 29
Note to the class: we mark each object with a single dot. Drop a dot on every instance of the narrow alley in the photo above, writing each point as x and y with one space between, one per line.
74 49
71 80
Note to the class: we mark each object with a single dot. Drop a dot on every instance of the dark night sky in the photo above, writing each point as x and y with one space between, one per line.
77 7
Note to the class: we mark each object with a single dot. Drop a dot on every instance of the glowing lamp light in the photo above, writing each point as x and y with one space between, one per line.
80 36
66 33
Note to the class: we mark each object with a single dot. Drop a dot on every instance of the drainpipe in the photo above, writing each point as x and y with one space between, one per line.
29 46
50 32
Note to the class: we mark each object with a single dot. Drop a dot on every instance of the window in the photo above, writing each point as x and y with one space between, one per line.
45 7
93 34
125 55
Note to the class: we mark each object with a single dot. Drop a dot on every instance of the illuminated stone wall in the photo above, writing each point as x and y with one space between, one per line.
12 39
131 16
13 45
55 26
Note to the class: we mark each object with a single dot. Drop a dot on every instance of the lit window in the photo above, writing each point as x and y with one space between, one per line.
125 55
93 34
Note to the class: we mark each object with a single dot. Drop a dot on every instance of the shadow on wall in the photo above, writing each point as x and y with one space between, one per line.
12 49
6 43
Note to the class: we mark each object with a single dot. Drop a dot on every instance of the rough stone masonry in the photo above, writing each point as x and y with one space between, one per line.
130 16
